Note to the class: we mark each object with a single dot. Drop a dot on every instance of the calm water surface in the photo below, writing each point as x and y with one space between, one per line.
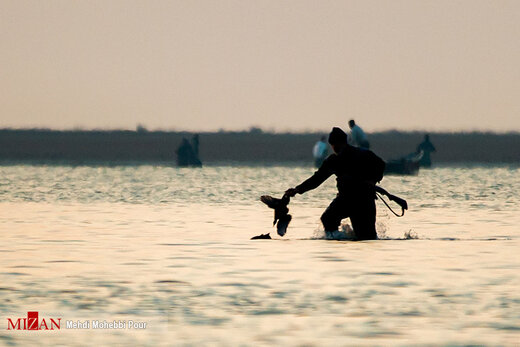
171 247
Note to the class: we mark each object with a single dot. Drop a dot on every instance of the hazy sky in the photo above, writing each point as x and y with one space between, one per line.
284 65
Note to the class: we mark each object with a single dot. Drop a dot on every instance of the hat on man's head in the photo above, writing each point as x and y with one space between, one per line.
337 136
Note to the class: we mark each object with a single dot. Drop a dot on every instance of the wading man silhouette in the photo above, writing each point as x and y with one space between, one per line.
357 171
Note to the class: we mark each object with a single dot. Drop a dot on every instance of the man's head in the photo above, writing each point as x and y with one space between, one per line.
427 137
337 139
351 123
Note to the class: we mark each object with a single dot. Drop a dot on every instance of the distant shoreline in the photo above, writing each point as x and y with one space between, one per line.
121 147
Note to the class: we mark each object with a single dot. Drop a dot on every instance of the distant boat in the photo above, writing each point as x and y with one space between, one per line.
408 165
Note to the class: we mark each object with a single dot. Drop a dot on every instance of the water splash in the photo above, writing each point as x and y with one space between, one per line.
411 235
345 232
381 230
408 235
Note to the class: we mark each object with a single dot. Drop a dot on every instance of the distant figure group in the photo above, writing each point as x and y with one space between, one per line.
426 147
188 154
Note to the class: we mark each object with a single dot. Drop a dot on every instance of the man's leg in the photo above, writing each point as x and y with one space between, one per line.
364 221
333 215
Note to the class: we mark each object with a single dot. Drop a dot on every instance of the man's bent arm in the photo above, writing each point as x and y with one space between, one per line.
315 180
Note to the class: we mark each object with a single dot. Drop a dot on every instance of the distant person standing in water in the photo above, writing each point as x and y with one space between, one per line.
320 151
186 155
359 139
426 147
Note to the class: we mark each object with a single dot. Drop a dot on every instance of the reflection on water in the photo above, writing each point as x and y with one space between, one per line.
171 247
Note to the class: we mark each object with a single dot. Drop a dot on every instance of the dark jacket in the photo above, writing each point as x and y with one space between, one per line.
352 168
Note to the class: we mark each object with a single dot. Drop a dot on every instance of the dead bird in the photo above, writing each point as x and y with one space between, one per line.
262 236
282 218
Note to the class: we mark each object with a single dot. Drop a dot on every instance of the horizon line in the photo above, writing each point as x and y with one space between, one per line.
254 130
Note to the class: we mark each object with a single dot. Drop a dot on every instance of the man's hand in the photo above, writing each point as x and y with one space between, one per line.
399 201
291 192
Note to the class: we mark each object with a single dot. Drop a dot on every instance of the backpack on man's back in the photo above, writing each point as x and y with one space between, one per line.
370 167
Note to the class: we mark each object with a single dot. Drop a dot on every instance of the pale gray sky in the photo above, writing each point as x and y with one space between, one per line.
286 65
